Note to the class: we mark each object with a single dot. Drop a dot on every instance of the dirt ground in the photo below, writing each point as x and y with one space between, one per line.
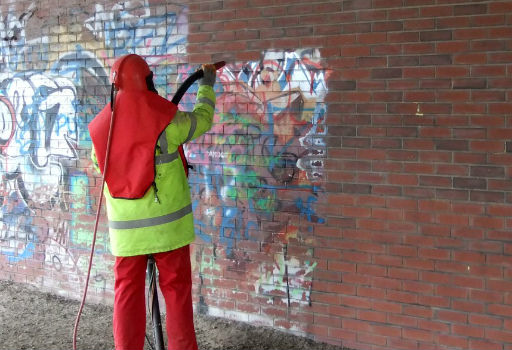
30 319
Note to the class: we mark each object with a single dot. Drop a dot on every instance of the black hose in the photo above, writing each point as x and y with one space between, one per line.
191 80
155 307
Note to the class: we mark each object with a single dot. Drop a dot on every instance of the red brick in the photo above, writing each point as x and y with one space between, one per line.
356 325
475 344
370 338
469 257
342 311
486 321
467 306
453 341
434 301
500 260
419 335
434 326
452 72
499 335
327 321
389 331
500 7
491 223
422 23
432 253
500 310
468 331
452 316
451 46
403 297
371 292
452 291
341 333
372 316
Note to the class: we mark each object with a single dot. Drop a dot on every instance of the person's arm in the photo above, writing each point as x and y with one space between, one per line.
187 126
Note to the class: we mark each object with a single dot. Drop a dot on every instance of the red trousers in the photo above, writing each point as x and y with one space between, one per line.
130 304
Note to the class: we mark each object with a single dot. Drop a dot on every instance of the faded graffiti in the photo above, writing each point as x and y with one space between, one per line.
130 27
40 113
264 155
289 280
268 137
276 105
14 45
39 137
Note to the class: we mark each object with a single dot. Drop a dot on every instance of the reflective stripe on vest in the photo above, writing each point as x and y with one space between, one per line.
159 220
165 157
207 101
162 139
193 124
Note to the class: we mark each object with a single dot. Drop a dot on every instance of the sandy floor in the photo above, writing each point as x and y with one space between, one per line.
30 319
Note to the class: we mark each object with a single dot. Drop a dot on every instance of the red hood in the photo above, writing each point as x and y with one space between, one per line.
139 119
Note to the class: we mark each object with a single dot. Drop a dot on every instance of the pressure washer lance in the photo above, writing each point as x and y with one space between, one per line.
176 99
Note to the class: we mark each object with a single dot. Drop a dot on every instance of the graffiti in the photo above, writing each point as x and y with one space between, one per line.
38 125
39 134
60 259
39 120
268 137
38 143
57 257
14 45
130 27
307 211
268 140
275 104
288 280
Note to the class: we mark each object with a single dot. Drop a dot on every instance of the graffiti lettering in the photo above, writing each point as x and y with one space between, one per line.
268 139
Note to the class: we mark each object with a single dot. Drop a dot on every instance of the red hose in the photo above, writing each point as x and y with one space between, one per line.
98 212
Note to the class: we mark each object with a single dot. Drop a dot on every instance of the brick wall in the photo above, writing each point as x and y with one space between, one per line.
355 187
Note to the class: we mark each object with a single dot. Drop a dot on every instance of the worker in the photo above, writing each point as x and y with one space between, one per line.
148 198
